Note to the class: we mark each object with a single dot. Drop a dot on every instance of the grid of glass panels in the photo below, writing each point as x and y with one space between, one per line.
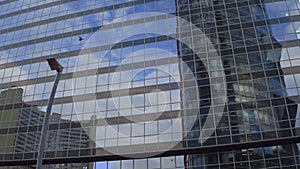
133 88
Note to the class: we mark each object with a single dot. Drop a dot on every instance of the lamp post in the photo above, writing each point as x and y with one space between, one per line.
54 65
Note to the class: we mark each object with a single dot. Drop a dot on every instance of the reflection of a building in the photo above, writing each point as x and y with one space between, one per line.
23 124
258 108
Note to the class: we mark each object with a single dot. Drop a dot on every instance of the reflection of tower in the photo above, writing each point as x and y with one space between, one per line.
258 108
92 137
9 118
23 122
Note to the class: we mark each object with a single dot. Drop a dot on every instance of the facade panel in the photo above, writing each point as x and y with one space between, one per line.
151 84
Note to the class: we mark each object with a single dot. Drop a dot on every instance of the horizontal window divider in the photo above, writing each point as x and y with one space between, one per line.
34 8
98 95
155 150
74 15
69 124
91 72
7 2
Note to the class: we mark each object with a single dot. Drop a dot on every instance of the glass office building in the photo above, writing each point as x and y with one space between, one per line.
148 84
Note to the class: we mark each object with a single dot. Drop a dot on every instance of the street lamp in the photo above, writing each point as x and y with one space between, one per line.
54 65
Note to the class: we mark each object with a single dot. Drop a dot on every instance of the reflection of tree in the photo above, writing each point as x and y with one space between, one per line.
23 123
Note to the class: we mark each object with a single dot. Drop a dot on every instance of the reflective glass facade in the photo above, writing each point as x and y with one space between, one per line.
149 84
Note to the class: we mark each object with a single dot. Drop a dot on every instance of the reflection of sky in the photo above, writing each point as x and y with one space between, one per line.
119 54
287 31
284 31
93 20
101 165
274 10
59 45
151 163
65 26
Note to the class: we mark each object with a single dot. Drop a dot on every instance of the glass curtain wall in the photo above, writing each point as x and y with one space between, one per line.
149 84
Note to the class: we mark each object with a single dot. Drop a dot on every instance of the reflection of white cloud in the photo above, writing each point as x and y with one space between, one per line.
63 26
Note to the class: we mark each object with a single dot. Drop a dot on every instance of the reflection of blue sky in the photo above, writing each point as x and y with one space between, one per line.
72 24
116 55
101 165
61 26
282 8
72 43
150 163
274 10
158 6
153 73
68 44
285 31
45 13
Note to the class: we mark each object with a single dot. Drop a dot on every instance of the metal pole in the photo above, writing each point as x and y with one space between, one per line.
43 138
